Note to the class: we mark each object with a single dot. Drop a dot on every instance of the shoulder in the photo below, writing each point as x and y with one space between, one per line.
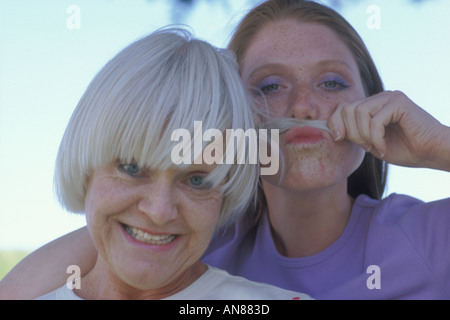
397 207
231 287
425 225
217 284
411 237
392 201
62 293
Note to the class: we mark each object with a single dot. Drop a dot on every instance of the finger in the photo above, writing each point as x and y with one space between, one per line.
363 120
380 121
336 124
390 113
342 122
351 125
365 111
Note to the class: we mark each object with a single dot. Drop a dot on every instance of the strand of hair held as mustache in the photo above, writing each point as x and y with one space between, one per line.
284 124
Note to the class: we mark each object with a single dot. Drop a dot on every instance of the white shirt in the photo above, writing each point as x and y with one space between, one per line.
214 284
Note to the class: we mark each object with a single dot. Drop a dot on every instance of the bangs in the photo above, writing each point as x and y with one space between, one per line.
134 104
138 124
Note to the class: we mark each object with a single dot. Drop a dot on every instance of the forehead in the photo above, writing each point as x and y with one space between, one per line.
295 44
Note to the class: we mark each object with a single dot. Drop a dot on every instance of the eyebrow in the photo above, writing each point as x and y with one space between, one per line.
279 66
270 66
324 63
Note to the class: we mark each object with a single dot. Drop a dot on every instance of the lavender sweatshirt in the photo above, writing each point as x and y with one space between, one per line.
396 248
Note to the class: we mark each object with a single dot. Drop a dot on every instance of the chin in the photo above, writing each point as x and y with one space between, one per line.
303 180
311 173
142 276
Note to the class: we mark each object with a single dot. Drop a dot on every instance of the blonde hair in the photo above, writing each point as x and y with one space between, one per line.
162 82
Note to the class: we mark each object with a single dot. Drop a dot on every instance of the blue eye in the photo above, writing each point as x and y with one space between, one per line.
269 86
198 182
132 169
335 84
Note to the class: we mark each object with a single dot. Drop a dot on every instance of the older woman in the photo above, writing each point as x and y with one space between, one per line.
149 219
324 228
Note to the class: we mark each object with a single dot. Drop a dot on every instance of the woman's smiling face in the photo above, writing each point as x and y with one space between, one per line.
151 226
304 70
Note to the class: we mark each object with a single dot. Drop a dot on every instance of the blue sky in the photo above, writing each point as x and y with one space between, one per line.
46 63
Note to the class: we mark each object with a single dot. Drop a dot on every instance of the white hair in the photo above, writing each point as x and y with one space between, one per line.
162 82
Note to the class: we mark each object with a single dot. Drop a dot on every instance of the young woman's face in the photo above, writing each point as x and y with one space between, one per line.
151 227
304 70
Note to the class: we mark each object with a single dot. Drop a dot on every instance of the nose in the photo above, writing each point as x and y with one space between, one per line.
159 204
302 103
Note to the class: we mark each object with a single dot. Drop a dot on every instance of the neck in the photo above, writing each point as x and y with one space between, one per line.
102 283
305 223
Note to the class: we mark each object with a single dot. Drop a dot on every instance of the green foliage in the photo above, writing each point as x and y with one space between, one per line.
8 259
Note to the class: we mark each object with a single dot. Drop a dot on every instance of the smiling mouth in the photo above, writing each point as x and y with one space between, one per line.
146 237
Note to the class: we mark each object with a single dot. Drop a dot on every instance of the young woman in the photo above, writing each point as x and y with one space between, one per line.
325 229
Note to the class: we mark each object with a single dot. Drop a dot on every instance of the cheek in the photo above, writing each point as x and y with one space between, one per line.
109 197
105 200
203 217
348 157
211 215
278 107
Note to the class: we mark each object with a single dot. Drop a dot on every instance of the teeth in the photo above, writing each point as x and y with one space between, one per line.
143 236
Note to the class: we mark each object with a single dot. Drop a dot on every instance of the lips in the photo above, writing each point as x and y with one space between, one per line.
148 238
303 135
